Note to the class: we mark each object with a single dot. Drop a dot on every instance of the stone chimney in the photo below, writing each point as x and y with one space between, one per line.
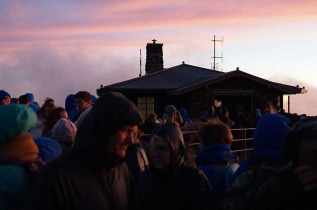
154 57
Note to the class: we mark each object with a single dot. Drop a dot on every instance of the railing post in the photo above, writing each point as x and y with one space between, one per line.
245 143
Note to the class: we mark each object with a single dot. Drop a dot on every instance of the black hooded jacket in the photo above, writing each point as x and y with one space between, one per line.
90 176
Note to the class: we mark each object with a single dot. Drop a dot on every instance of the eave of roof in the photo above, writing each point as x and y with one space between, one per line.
286 88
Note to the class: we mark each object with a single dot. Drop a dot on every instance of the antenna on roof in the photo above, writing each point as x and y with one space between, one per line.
214 57
140 64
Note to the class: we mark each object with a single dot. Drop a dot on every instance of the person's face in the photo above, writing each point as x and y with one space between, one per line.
161 153
122 139
5 100
81 104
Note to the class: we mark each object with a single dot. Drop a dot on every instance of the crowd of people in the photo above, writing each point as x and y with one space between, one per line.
92 155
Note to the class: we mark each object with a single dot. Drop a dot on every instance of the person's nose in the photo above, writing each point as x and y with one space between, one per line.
130 138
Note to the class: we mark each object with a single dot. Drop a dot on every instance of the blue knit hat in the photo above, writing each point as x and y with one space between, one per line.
3 94
271 131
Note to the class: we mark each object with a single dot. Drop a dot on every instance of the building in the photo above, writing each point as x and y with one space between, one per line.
198 89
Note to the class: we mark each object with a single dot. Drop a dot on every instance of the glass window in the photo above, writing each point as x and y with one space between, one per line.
146 106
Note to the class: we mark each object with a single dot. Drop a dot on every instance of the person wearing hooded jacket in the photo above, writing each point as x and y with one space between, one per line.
169 184
32 104
17 152
293 187
215 158
268 140
70 106
93 174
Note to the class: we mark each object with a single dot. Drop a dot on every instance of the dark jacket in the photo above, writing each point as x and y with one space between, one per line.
70 183
180 188
213 160
263 188
268 139
91 175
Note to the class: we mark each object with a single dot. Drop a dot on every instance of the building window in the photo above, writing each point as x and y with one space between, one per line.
146 106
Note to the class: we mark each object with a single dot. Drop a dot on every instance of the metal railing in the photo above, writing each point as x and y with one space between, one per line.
240 146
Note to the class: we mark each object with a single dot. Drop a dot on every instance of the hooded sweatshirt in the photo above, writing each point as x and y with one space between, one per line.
213 160
268 140
177 186
32 105
70 106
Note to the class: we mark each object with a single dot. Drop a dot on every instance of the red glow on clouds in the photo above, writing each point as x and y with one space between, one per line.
76 35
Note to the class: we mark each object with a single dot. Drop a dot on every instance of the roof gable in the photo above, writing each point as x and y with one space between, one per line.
237 73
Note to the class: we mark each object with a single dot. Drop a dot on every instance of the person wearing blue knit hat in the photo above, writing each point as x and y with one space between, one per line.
4 98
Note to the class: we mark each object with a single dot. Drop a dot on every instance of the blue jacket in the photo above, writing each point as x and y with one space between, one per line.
32 105
14 182
268 139
213 161
70 106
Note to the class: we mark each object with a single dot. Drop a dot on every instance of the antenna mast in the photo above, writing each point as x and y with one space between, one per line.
140 64
214 57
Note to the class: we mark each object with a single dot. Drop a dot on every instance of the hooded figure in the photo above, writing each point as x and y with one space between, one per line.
268 139
169 184
70 106
17 150
93 174
32 105
186 119
215 158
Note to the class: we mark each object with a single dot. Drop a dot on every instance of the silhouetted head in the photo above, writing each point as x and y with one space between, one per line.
108 129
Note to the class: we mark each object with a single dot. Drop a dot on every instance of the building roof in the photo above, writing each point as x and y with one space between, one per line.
185 78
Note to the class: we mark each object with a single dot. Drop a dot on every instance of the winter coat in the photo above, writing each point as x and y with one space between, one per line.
264 188
49 149
214 160
17 149
268 139
70 183
82 116
70 106
90 175
32 105
175 188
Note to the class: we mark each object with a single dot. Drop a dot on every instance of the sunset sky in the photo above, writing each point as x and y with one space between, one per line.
55 48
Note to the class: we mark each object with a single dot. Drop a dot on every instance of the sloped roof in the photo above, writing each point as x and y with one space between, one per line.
171 78
185 78
288 89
